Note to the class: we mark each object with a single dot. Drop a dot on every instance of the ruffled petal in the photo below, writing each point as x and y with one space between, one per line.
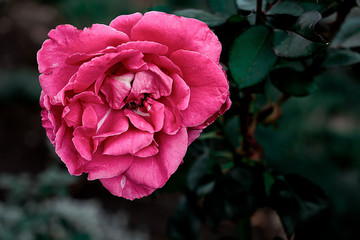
177 33
66 40
83 142
154 171
209 88
64 147
153 82
125 23
116 89
148 151
128 142
106 166
89 72
156 111
180 95
138 121
111 123
122 187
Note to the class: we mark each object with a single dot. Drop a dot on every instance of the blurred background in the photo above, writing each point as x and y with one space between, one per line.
318 137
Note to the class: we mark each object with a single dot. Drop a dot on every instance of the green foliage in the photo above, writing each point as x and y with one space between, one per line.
225 7
210 19
293 82
251 57
341 58
293 46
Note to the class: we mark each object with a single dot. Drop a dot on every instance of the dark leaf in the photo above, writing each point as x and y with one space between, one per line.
305 26
293 46
210 19
302 206
225 7
341 58
286 8
348 36
292 82
251 57
246 5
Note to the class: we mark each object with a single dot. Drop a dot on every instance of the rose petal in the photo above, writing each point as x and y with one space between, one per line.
209 88
153 82
164 63
143 46
128 142
154 171
138 121
91 71
105 166
177 33
64 147
116 89
123 187
180 95
83 142
111 123
125 23
64 41
148 151
193 134
156 111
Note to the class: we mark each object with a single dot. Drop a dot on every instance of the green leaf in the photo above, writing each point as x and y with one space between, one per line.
210 19
349 30
225 7
247 5
341 58
305 26
251 57
292 82
293 46
286 8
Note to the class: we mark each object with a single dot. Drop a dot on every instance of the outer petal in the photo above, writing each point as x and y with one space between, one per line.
154 171
208 86
125 23
123 187
67 152
66 40
177 33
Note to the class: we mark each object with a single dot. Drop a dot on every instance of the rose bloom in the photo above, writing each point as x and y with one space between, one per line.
123 102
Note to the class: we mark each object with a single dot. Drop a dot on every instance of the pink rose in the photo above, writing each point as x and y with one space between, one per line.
123 102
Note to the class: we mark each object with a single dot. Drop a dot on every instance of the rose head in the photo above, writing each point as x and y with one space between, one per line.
123 102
